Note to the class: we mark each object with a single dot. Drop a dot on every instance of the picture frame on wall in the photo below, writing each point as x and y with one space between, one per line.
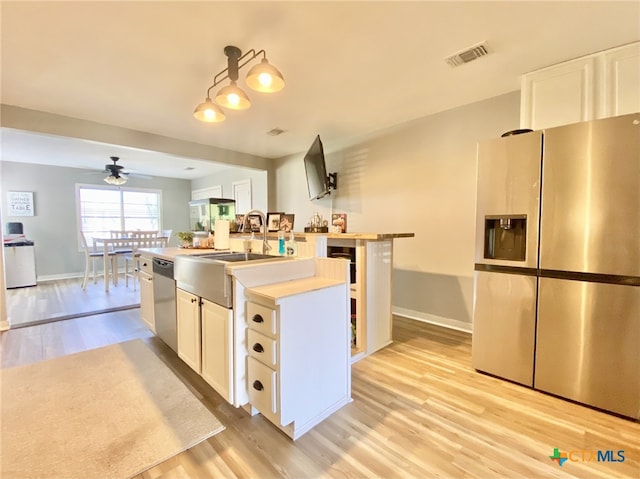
286 223
273 221
20 203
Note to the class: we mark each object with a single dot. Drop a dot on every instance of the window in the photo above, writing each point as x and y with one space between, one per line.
103 209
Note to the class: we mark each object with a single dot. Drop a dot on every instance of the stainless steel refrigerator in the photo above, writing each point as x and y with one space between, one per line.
557 280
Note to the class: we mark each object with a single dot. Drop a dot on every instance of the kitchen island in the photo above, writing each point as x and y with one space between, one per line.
256 352
370 257
252 350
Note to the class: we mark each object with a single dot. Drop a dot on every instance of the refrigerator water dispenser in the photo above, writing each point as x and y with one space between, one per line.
505 237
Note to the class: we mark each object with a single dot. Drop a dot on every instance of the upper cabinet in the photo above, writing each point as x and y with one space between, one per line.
621 81
595 86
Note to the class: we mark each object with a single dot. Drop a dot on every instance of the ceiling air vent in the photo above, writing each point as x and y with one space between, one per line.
467 55
275 132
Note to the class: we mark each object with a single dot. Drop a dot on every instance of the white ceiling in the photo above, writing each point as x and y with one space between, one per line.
352 68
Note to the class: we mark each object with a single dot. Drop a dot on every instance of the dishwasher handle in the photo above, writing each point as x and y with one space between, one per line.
163 267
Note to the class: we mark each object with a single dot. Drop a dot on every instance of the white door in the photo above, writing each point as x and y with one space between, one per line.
242 195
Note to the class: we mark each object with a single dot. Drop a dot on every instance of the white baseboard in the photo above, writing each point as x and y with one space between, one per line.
433 319
56 277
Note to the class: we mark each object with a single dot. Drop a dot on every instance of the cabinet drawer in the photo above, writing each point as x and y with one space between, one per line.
261 318
146 264
262 348
262 387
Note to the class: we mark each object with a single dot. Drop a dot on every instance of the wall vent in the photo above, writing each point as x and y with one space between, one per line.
468 55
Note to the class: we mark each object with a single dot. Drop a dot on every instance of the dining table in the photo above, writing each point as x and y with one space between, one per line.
108 245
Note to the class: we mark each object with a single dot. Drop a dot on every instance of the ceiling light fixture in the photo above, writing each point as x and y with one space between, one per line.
115 180
262 77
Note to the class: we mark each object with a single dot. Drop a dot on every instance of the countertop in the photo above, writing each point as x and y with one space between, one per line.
276 291
171 252
360 236
366 236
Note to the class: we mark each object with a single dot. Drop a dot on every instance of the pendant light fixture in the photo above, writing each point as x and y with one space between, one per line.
262 77
233 97
209 112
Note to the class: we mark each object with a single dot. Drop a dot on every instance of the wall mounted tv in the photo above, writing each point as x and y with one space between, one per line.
319 183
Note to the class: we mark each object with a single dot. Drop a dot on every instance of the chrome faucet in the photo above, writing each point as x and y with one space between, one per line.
263 217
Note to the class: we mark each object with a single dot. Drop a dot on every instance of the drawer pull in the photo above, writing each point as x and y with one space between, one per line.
193 300
257 318
258 348
257 385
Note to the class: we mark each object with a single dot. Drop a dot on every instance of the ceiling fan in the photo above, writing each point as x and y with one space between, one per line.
117 175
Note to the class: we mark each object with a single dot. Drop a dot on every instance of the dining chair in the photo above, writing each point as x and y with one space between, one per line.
124 247
120 248
141 239
91 254
163 238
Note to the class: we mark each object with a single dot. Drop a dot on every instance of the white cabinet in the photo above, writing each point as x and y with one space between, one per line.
298 370
370 292
205 336
595 86
189 330
20 266
146 292
217 338
622 80
146 300
558 95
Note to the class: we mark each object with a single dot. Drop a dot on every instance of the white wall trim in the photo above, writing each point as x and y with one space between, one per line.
205 193
433 319
55 277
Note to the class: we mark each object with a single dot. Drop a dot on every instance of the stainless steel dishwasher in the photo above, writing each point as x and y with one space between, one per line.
164 302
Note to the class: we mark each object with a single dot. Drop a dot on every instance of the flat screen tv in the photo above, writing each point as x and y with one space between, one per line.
316 170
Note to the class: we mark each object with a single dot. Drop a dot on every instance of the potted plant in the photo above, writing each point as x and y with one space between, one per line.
186 238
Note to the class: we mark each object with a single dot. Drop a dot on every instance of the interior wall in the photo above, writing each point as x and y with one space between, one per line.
419 177
226 178
53 228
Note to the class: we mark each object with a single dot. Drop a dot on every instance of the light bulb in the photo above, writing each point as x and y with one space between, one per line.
209 112
233 99
265 80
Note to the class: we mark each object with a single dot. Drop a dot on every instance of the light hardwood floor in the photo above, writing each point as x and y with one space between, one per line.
419 410
62 299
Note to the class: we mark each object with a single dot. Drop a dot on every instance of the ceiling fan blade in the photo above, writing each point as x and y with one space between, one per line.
139 175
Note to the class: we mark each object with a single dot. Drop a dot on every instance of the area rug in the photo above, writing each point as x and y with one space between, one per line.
111 412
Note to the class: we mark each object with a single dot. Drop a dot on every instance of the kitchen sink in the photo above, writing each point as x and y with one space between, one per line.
235 257
205 275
